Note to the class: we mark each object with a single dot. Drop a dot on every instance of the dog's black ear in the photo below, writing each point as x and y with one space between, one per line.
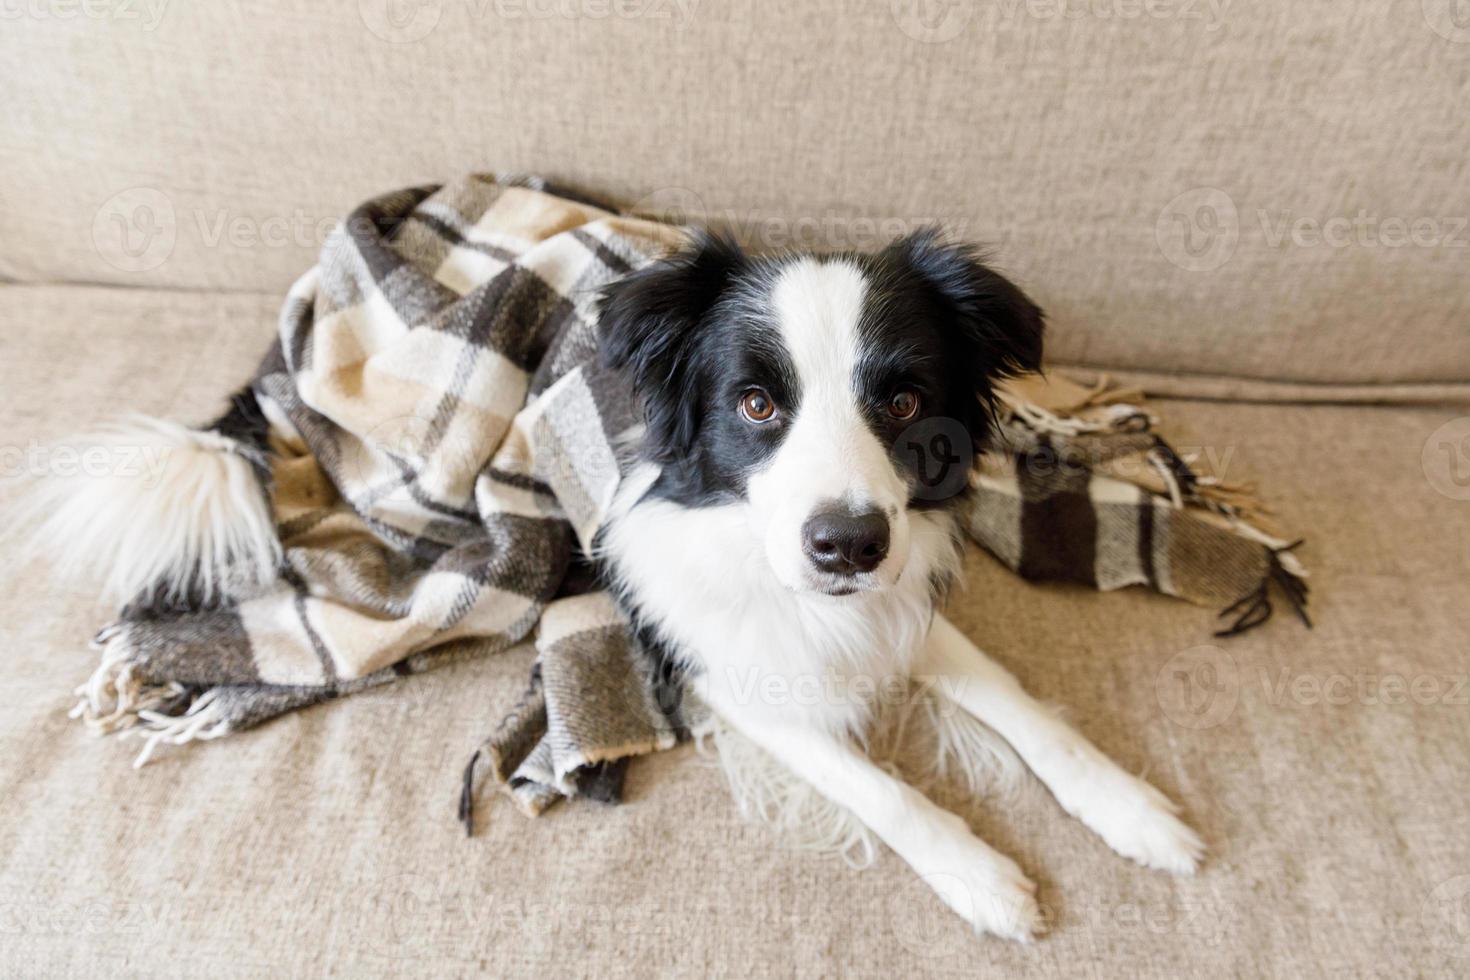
998 321
648 322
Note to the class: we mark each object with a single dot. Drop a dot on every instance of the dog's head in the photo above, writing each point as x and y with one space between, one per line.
784 384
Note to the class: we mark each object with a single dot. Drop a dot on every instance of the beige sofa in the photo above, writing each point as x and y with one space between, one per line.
1258 210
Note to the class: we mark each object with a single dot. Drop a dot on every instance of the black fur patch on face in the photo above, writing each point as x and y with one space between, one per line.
939 322
695 333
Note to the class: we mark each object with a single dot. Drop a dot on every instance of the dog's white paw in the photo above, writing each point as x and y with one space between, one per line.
989 891
1140 823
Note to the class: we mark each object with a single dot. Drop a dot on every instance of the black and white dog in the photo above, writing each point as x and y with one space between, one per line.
772 526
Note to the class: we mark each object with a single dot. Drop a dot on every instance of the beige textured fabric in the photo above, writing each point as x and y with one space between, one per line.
1325 769
1313 153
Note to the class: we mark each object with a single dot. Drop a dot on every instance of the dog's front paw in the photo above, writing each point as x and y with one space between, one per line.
1141 823
989 891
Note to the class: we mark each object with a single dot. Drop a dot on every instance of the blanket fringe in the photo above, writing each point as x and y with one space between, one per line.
204 720
114 697
1102 409
1113 417
1254 608
114 700
1066 408
1102 392
467 795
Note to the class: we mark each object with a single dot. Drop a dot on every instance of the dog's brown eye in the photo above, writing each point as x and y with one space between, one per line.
757 406
904 404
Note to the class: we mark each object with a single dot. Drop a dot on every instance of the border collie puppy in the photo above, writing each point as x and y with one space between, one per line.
775 528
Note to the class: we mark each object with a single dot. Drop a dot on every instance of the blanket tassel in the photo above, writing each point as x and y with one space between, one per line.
467 796
114 697
1254 608
205 719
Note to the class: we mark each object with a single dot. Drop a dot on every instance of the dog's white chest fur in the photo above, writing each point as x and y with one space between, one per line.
700 578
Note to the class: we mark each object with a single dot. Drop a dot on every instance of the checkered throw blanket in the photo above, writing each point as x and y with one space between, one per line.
439 446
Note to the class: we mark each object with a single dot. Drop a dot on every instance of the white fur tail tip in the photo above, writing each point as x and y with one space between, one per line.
147 505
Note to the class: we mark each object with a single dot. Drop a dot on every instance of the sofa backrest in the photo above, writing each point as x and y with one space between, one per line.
1257 189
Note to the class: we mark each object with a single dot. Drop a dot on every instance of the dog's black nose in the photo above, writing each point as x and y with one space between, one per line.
845 544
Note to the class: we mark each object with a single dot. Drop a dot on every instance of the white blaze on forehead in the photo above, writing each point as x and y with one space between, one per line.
817 305
828 453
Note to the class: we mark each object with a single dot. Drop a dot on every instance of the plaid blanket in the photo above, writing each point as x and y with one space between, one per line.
439 445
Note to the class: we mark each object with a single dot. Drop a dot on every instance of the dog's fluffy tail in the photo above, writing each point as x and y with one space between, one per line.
150 508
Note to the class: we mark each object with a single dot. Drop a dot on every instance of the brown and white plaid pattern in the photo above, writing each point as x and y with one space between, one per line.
435 433
438 442
1050 510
